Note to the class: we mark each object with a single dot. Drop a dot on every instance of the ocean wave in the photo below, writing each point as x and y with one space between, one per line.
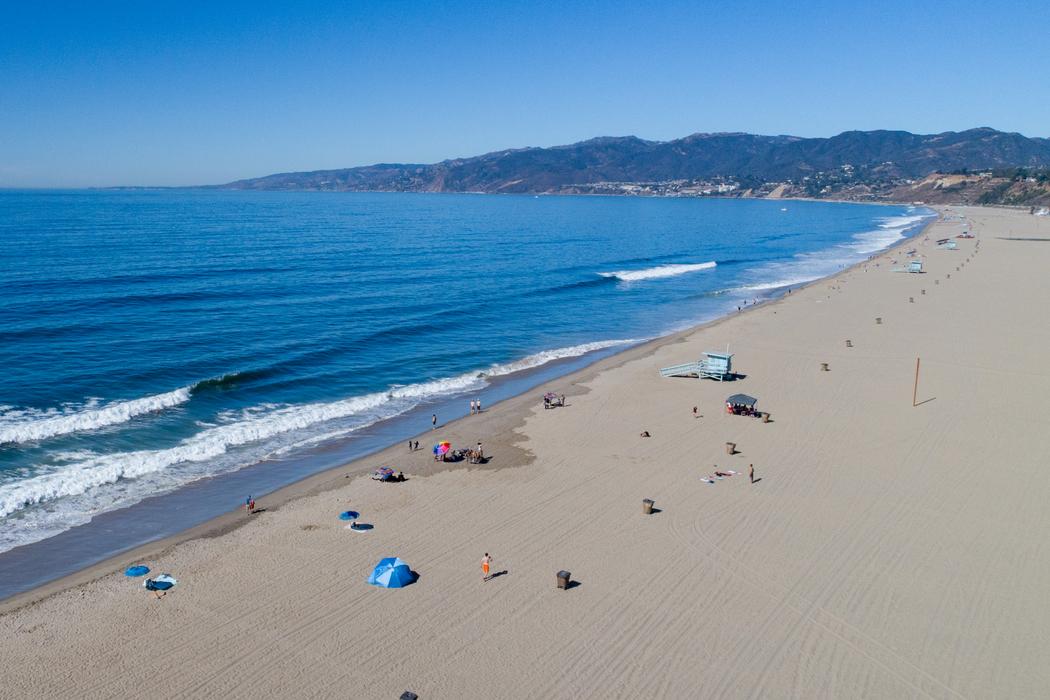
18 426
891 229
542 358
807 267
781 282
659 271
80 477
901 221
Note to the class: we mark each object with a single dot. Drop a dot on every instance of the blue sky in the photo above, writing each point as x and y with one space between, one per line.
173 93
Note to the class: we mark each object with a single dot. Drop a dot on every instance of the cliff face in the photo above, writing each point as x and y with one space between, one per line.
748 158
940 188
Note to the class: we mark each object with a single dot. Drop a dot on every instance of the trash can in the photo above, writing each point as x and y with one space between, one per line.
849 343
730 448
647 506
563 579
878 320
823 366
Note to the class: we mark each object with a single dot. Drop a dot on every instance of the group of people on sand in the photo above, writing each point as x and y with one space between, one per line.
552 400
742 410
475 455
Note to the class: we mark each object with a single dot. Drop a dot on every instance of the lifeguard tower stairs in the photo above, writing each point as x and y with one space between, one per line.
715 365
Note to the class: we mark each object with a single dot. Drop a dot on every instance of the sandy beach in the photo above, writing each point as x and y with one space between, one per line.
886 551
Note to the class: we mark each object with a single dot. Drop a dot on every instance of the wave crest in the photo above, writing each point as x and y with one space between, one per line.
27 426
79 477
658 271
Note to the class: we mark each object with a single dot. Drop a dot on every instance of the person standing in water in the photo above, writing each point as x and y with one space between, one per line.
433 422
477 402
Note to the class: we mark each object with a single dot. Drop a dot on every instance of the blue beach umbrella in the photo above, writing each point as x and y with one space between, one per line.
391 572
349 515
136 571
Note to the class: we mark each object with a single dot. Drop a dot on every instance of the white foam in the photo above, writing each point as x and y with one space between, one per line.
657 272
29 425
542 358
807 267
81 479
901 221
780 283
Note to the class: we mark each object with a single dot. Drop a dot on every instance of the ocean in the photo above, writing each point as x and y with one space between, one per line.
159 340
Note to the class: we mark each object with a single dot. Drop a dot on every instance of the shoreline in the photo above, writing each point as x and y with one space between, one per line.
880 550
501 419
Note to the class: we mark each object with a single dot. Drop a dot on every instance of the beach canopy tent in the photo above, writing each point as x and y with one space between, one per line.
391 572
742 400
163 582
383 474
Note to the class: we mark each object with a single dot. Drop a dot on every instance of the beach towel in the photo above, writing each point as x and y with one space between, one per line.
136 571
360 527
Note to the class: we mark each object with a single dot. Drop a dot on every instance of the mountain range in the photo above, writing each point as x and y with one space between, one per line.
748 159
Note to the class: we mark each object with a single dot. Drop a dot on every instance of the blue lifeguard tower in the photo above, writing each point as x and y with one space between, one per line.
715 365
915 266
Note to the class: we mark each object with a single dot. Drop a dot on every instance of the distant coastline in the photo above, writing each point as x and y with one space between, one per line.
978 166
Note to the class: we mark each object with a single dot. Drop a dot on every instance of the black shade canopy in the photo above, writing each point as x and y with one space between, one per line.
742 400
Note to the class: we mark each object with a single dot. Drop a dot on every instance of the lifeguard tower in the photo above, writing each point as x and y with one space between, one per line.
915 266
715 365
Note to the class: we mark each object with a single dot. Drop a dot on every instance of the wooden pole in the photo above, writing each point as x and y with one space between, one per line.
915 391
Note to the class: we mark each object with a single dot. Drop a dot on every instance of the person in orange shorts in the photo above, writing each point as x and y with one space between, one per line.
485 562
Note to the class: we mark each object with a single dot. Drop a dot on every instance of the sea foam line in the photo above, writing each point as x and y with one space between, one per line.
659 271
22 426
80 477
807 267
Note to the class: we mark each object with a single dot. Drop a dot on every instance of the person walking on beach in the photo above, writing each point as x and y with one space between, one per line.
486 561
415 446
433 422
695 414
472 407
478 403
249 505
751 473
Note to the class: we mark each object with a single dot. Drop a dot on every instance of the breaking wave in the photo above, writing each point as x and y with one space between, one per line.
807 267
657 272
79 477
28 425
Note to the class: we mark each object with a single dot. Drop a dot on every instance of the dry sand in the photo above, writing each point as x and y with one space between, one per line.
887 552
